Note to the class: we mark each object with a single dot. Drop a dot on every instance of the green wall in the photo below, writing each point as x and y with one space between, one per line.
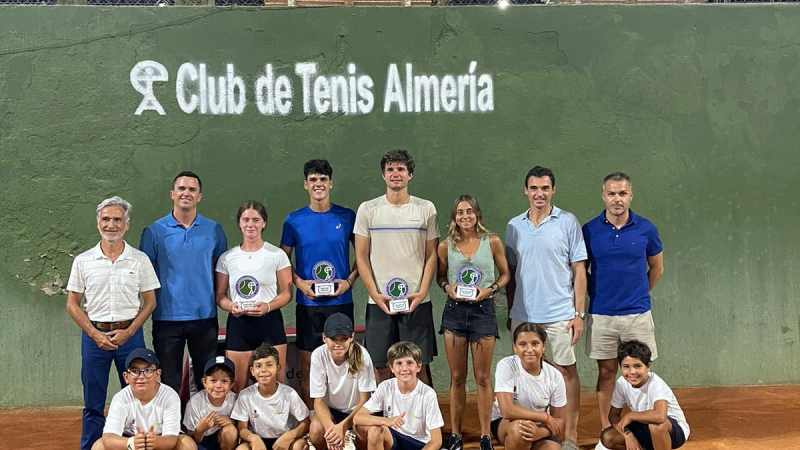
701 104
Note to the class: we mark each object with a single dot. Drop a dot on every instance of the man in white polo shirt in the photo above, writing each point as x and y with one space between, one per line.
111 276
547 255
396 238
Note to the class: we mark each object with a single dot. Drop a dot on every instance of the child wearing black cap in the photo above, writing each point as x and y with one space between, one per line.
341 380
146 414
208 413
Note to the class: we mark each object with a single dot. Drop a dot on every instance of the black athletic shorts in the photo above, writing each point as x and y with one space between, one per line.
383 330
642 432
310 322
246 333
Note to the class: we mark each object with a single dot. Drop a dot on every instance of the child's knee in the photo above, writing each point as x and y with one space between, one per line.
660 428
98 445
185 443
375 434
608 436
299 444
227 436
316 431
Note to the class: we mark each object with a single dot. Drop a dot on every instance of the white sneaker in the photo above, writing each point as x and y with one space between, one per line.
349 440
600 446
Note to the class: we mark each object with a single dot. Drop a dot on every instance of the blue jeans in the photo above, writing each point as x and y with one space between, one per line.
95 365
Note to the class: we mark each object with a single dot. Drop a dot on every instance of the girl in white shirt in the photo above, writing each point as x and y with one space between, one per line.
529 411
254 280
341 380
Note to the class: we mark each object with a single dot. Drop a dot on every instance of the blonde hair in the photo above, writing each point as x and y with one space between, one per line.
355 358
454 231
403 349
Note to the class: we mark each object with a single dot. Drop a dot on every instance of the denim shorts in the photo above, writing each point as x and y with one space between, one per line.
472 320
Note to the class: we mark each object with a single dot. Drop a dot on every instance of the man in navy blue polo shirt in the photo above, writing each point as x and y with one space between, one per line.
184 247
625 263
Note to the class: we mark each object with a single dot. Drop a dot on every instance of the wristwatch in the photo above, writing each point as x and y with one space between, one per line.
581 315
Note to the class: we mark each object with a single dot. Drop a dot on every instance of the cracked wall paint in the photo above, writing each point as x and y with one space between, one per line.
700 105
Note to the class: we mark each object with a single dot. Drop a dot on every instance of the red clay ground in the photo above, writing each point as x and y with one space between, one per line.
746 418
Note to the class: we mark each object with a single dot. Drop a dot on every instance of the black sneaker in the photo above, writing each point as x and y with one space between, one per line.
486 443
454 443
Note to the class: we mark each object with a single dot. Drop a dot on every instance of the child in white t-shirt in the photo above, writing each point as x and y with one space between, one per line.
341 381
208 414
656 420
411 416
271 415
530 395
146 414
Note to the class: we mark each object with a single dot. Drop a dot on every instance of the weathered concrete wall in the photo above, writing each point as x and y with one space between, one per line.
700 104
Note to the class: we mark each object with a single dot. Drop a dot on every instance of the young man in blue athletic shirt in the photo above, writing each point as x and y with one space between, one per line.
320 236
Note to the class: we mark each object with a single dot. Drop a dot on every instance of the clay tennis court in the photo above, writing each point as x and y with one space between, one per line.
741 418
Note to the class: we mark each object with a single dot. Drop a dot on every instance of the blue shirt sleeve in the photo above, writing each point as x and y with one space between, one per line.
288 237
147 244
222 245
654 246
351 222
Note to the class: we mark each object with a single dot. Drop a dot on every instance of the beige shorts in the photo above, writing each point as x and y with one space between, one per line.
559 341
605 333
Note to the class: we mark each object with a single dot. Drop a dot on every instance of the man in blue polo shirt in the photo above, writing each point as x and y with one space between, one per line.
625 263
321 233
184 247
547 255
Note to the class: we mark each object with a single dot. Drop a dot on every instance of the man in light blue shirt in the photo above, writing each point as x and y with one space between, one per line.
184 247
547 256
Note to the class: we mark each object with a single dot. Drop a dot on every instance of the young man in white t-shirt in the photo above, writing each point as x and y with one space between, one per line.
411 416
208 414
396 236
656 420
146 415
271 415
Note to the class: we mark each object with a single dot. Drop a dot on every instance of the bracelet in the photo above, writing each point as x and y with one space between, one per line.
349 283
444 283
131 445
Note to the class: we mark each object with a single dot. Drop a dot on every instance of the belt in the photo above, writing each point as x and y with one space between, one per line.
111 326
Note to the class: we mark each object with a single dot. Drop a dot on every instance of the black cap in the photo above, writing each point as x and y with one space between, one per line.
142 353
338 324
219 361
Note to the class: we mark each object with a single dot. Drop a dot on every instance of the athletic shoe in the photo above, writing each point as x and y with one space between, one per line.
486 443
349 440
454 443
569 444
308 441
600 446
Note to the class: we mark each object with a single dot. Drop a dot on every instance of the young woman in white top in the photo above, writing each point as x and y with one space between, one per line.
341 380
473 253
254 280
531 396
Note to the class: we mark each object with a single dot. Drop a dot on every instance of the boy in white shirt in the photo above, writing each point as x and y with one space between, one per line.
145 415
655 420
411 416
208 414
271 415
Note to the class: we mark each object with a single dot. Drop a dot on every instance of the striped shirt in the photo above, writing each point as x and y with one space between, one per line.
112 289
398 235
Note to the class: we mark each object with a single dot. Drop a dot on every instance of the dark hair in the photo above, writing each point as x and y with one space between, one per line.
617 176
527 327
318 166
539 172
264 350
634 349
189 174
221 368
252 204
398 156
403 349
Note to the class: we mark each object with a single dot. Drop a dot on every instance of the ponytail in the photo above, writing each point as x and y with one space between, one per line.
355 358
